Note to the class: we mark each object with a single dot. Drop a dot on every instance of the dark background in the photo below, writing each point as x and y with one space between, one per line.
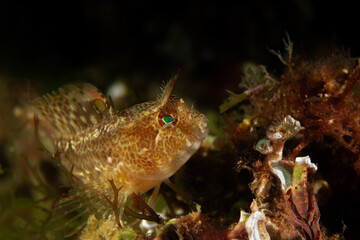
57 42
97 41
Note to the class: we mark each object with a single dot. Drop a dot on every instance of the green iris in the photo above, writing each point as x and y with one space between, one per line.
168 118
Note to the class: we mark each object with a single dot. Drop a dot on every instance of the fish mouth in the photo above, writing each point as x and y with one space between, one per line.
182 157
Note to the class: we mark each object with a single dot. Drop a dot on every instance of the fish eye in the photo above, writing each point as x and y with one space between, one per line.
167 119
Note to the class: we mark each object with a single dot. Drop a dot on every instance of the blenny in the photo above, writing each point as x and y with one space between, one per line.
135 149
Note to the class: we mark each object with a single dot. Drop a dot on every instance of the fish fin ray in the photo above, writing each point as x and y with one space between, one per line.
166 90
73 109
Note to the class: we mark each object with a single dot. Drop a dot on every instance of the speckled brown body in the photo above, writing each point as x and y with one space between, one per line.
137 148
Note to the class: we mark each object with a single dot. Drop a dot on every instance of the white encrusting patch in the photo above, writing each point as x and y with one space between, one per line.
252 226
306 161
188 143
97 169
109 159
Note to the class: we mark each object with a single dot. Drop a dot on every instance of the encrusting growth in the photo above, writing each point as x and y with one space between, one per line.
310 113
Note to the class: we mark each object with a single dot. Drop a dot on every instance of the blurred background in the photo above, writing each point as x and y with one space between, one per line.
134 46
143 42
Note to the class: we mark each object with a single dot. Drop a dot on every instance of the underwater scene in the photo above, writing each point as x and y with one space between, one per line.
179 120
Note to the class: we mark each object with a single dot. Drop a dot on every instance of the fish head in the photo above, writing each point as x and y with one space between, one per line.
180 132
166 134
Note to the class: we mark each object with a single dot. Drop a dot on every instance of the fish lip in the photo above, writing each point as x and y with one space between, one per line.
205 130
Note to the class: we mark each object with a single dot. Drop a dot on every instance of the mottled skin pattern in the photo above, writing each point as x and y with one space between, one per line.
131 147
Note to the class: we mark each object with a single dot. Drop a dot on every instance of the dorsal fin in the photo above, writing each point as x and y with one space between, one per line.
74 108
167 90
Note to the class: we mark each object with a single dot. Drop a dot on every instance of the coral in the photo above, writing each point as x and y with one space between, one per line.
285 206
106 230
322 95
192 226
312 109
